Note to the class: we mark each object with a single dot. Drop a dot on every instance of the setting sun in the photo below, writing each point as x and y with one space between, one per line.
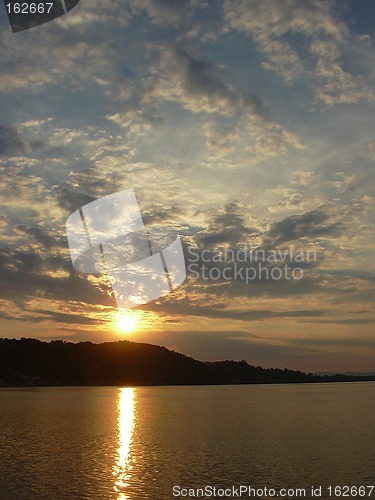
126 322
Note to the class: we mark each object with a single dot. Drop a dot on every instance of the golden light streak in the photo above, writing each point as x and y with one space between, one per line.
125 425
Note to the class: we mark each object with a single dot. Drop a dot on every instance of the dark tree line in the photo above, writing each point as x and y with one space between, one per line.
30 362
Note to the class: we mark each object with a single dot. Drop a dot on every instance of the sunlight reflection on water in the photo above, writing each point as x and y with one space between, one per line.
126 403
104 443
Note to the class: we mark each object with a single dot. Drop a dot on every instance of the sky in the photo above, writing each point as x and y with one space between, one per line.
239 124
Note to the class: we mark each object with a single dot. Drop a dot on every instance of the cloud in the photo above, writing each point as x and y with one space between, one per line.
226 226
71 199
162 11
312 224
196 84
292 199
33 69
10 141
40 235
193 307
233 121
25 275
333 341
136 120
285 30
95 12
347 322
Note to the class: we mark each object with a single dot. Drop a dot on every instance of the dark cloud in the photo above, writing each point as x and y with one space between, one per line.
161 214
203 79
39 235
163 11
333 341
71 199
28 275
313 224
197 85
86 186
186 307
226 226
10 141
348 322
59 317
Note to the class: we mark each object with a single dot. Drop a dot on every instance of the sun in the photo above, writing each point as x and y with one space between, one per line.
126 322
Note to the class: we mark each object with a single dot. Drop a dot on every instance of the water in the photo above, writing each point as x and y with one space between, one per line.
124 443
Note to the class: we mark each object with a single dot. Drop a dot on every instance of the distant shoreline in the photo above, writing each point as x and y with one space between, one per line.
183 385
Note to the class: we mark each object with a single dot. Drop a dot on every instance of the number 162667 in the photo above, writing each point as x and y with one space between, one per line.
29 8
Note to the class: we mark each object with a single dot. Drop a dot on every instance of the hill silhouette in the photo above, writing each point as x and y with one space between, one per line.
31 362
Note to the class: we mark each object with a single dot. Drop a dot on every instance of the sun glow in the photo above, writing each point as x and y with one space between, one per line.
126 322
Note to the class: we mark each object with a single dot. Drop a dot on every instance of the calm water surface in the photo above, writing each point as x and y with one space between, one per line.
124 443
